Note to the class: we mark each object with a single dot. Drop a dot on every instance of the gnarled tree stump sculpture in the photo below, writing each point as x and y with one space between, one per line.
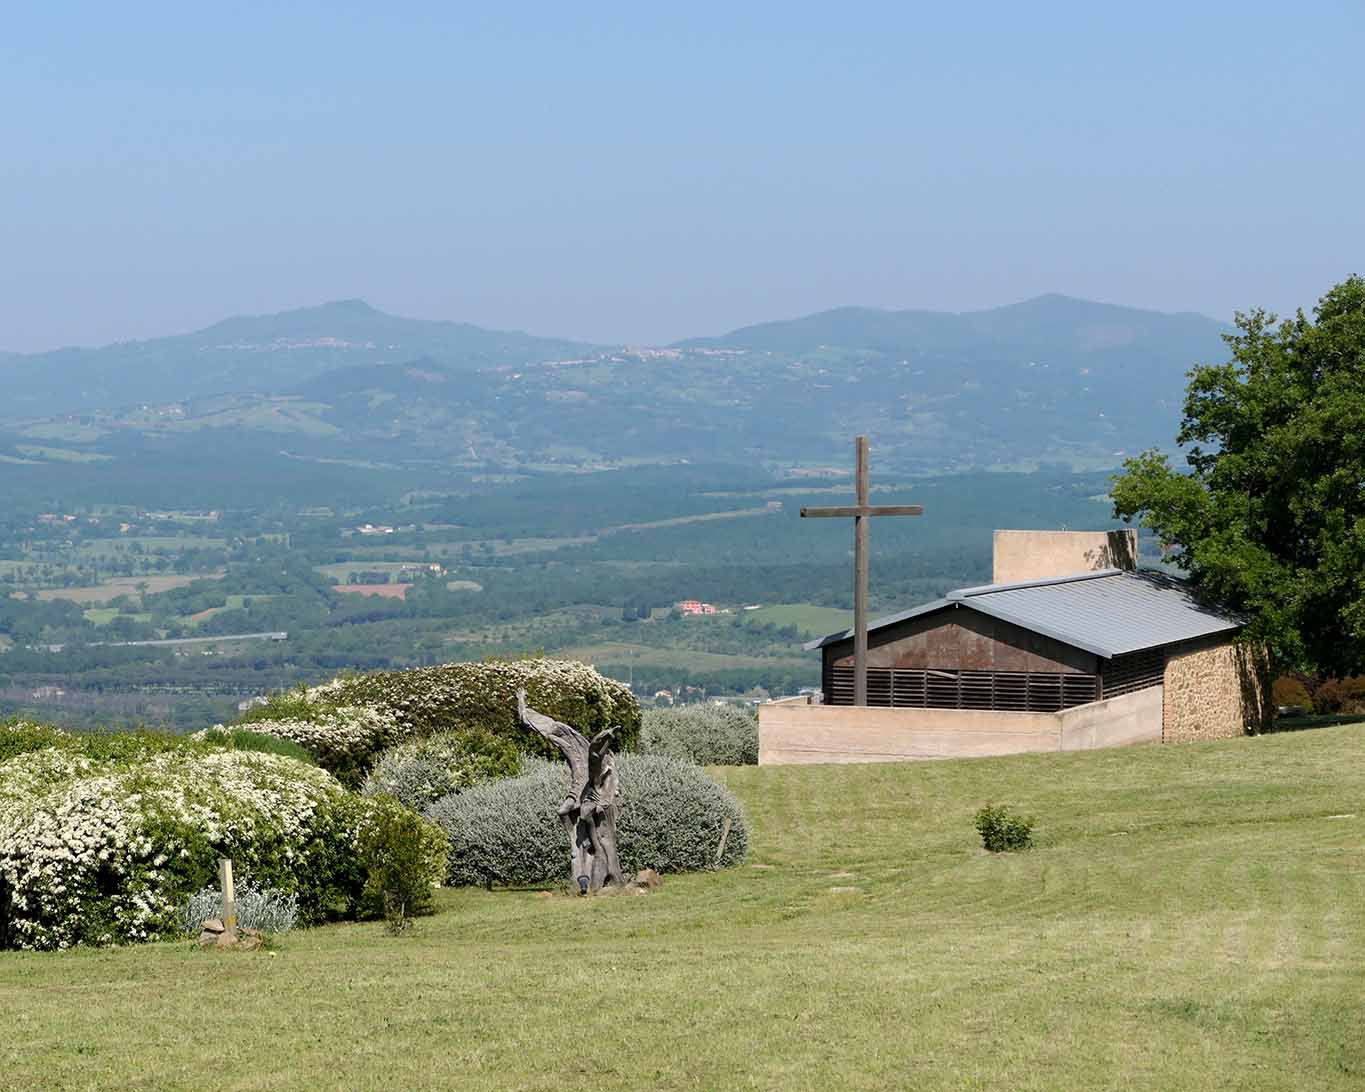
589 811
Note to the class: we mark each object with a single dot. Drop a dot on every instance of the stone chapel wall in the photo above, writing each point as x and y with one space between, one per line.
1215 690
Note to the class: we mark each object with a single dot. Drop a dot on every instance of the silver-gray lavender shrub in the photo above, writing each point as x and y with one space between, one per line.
419 773
265 909
709 735
672 815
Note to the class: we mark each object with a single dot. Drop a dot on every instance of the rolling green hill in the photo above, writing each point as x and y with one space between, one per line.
1189 920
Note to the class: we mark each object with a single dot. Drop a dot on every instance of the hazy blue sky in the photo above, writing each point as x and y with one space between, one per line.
610 172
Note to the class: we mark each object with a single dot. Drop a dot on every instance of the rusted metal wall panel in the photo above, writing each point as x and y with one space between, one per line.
961 639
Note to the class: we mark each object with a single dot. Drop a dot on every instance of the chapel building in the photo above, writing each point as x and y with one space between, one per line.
1071 647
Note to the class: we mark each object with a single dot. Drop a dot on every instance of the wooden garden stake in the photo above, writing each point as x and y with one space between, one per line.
724 837
229 895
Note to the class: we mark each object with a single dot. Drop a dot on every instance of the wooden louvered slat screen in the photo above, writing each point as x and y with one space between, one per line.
1002 691
1134 671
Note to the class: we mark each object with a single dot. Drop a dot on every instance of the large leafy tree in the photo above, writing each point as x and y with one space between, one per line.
1269 518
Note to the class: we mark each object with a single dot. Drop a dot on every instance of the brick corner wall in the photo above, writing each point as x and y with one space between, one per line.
1215 690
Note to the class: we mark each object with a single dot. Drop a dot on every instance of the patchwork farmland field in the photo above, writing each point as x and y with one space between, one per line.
1190 919
169 544
129 586
383 591
342 571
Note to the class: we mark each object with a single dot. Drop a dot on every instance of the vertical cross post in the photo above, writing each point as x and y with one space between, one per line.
861 511
860 565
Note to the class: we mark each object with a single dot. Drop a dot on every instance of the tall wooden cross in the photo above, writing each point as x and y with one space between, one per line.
861 512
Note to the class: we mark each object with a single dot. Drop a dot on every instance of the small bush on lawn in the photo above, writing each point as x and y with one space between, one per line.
709 735
671 818
419 773
263 908
1002 832
404 857
426 700
506 832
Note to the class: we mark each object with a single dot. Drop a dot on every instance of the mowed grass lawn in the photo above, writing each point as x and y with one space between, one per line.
1192 918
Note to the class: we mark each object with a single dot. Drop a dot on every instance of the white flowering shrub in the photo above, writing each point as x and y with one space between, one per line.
672 816
344 740
419 773
262 908
18 737
424 701
105 851
709 735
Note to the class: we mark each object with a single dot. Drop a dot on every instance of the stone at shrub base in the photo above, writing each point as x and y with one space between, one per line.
224 940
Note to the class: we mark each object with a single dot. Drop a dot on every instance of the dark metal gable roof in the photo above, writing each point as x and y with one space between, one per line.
1107 613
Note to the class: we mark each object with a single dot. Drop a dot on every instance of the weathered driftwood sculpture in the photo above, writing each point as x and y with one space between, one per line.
589 811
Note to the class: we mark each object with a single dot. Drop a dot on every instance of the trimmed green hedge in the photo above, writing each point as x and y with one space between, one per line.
18 737
344 740
244 739
354 718
671 818
23 737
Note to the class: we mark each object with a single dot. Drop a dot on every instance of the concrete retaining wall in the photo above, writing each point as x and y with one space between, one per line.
800 733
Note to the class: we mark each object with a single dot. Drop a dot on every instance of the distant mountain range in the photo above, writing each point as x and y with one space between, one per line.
255 353
1046 325
1050 379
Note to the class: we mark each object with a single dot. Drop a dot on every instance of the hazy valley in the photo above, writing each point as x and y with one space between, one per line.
387 491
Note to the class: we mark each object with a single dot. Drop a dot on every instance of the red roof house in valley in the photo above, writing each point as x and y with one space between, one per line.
696 606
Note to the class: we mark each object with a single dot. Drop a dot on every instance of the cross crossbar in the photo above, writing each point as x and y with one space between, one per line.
867 510
859 513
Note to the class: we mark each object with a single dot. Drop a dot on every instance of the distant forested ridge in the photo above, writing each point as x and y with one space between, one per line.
1053 379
